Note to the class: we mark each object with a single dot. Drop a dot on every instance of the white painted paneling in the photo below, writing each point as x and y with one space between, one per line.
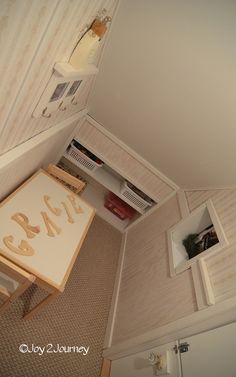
44 32
123 161
17 165
22 27
222 266
222 273
149 299
166 87
148 296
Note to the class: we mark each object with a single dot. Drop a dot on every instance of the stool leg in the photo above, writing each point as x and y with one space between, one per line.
4 306
41 305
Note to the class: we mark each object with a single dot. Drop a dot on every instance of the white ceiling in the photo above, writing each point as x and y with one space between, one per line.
167 87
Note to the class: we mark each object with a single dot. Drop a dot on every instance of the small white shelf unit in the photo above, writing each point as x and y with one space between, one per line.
194 223
95 197
100 182
105 178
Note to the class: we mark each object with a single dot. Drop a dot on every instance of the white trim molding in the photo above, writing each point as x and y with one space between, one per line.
173 231
198 287
183 203
210 188
115 296
210 298
214 316
10 156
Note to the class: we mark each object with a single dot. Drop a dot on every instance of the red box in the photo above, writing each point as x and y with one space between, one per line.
118 207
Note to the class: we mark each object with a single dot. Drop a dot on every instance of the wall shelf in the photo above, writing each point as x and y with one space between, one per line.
95 193
96 198
102 179
194 223
108 180
66 70
63 89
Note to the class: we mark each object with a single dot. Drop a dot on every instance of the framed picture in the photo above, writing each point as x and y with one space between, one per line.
195 236
59 91
73 88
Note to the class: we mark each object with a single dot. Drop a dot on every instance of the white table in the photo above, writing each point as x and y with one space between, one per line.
46 220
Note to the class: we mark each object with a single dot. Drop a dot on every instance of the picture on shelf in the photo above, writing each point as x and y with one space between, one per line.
196 243
74 88
59 91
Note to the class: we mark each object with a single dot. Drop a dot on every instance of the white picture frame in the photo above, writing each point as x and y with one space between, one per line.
193 223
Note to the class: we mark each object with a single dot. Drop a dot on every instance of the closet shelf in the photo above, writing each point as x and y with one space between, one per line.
68 71
106 179
96 198
197 221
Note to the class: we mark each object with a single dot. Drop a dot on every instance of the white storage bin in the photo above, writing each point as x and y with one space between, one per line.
81 159
133 197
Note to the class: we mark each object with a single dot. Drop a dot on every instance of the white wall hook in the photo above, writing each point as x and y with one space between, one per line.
73 101
61 108
46 115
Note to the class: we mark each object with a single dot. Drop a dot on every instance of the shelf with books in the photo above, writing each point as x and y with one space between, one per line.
195 236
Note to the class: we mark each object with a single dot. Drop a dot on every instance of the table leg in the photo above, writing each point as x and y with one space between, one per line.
27 302
43 303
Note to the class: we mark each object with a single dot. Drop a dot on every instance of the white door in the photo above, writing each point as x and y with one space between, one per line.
138 365
211 354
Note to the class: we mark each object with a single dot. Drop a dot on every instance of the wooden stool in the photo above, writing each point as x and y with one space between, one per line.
74 183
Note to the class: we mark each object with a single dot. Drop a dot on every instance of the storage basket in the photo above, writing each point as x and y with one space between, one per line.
128 193
81 159
118 207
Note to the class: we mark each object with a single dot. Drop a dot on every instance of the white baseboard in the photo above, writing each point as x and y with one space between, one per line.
203 320
116 290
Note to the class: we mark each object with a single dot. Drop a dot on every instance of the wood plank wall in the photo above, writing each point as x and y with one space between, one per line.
35 35
148 297
221 267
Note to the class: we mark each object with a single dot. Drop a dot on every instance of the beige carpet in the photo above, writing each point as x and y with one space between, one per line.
77 318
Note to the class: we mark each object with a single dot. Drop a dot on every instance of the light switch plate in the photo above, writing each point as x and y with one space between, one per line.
166 365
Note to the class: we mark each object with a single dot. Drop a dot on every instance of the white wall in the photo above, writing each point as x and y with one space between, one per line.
150 303
148 297
137 365
166 87
34 36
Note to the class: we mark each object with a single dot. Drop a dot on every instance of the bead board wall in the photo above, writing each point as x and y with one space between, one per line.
222 266
122 161
17 165
148 296
35 35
